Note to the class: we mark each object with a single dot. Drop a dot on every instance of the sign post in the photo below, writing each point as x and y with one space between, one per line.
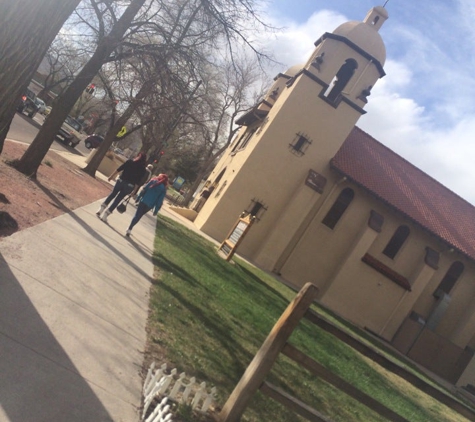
122 132
236 235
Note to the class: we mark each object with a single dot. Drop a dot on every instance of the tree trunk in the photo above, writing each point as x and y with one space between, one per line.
27 28
31 159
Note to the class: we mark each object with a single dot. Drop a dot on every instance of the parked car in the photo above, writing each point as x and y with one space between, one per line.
41 105
28 104
93 141
70 132
48 110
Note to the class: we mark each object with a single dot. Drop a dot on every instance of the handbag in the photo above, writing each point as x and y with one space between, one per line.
122 207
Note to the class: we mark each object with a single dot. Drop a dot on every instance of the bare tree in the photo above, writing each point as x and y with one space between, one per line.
156 78
26 30
108 42
230 18
229 94
63 61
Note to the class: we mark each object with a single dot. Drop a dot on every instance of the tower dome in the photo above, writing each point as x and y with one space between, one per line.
293 70
365 34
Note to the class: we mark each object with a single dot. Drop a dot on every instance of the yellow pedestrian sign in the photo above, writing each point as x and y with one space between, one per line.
122 132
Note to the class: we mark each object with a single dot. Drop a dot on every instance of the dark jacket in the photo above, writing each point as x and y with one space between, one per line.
132 172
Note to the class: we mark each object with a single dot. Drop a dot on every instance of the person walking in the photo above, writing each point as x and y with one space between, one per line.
131 174
148 175
151 197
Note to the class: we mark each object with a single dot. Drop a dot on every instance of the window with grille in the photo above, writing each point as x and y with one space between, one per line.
256 208
300 144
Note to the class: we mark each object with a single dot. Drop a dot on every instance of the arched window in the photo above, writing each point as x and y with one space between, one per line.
338 208
398 239
220 175
450 278
256 208
244 139
341 79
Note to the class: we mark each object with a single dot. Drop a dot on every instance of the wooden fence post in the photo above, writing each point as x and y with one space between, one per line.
266 356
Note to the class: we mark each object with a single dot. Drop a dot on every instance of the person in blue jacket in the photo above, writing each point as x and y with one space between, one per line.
151 197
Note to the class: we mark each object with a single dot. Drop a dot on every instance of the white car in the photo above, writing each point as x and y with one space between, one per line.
41 105
70 132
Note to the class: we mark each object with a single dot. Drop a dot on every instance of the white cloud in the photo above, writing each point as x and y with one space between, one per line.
294 44
423 109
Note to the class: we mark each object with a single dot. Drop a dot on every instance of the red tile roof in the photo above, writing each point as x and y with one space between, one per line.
412 192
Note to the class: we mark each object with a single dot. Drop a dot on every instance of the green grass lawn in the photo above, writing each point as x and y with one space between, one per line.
209 317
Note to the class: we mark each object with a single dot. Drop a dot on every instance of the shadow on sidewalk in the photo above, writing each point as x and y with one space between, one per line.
38 380
95 234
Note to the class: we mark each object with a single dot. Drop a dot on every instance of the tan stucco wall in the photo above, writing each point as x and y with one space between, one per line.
459 321
267 170
468 375
290 238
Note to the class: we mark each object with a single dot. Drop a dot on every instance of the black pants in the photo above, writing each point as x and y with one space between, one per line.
120 191
142 209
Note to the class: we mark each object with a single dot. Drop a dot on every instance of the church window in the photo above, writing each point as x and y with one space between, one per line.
340 80
299 145
262 125
244 139
450 278
247 138
220 190
238 141
256 208
220 176
338 208
396 241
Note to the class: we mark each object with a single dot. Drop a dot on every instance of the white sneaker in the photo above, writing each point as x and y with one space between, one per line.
127 233
105 215
100 210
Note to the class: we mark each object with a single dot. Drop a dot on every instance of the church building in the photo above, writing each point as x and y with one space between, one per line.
390 248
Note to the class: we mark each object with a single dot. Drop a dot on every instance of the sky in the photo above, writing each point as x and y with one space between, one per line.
424 108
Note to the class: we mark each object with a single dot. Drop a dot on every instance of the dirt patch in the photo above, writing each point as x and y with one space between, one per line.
60 187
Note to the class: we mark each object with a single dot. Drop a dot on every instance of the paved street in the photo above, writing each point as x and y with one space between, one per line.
25 129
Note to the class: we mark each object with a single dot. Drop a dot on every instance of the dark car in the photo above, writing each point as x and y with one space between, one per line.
28 104
93 141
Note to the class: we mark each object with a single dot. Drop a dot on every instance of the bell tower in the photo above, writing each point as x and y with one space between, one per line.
345 66
293 132
350 60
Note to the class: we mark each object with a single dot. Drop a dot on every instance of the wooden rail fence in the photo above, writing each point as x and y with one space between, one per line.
277 342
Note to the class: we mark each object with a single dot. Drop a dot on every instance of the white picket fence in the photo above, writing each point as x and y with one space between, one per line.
160 413
179 389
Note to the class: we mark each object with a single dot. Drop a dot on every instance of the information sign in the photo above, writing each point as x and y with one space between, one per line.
235 236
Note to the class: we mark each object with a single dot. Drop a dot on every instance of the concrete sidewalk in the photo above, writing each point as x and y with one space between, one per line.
73 309
74 299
